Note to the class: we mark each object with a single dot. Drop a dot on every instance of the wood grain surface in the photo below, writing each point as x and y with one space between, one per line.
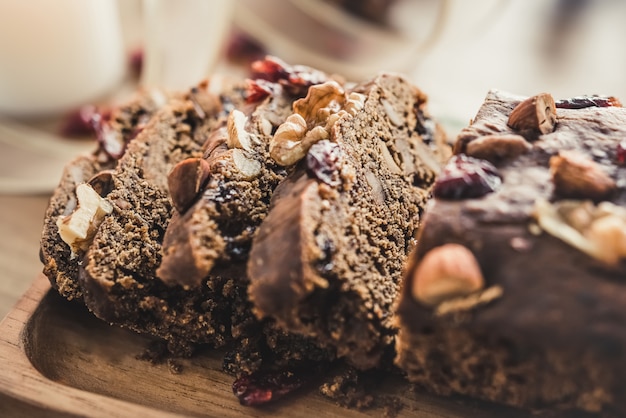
21 220
59 360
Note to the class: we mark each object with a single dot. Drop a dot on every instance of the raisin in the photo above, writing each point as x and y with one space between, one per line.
581 102
466 177
621 153
323 162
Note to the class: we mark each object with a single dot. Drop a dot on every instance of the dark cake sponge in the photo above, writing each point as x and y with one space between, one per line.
114 132
326 262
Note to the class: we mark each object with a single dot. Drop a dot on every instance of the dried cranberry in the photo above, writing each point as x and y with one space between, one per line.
581 102
79 122
242 48
466 177
135 62
621 153
296 79
323 162
263 387
258 90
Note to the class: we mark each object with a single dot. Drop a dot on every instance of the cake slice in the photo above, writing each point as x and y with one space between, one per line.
515 293
220 201
118 270
326 262
114 130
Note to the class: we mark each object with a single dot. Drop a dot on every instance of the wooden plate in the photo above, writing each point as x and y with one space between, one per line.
56 359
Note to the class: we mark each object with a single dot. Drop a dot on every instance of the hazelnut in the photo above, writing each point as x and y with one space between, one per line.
535 114
102 182
576 176
186 181
494 148
609 234
446 272
78 229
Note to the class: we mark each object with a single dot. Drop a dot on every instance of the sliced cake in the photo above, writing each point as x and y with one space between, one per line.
515 293
326 263
114 130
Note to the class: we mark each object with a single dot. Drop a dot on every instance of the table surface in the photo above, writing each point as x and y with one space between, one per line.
21 220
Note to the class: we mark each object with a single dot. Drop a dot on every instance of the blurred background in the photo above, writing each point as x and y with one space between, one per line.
57 57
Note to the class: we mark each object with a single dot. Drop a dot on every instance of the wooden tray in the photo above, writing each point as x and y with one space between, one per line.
56 359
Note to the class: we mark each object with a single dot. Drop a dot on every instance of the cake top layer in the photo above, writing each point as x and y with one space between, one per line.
539 200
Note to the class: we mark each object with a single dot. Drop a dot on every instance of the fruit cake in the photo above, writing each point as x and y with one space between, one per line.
114 130
515 292
326 262
104 243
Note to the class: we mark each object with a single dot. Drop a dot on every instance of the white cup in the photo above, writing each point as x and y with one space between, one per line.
56 55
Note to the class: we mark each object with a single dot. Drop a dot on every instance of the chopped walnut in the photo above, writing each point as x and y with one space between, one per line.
312 121
78 229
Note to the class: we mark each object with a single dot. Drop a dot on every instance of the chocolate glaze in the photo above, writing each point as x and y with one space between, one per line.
556 299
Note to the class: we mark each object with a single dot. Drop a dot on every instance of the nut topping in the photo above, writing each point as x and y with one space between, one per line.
494 148
78 229
313 119
237 135
249 168
186 181
536 114
445 273
599 231
102 182
286 147
577 176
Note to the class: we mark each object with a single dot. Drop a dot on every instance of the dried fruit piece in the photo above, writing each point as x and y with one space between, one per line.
577 176
79 122
444 273
466 177
323 162
262 387
258 90
621 153
581 102
537 114
295 79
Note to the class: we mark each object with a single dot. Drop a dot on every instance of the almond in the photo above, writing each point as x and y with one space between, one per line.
577 176
537 114
494 148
